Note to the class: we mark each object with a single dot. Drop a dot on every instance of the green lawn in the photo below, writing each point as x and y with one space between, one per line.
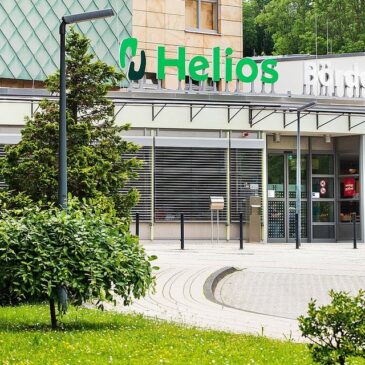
94 337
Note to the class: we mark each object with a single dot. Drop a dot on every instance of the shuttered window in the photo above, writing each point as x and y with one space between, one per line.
246 177
142 184
185 178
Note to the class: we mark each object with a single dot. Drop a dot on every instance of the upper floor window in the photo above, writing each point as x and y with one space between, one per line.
201 15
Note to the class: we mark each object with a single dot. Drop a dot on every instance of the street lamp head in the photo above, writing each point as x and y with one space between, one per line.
306 106
62 151
90 15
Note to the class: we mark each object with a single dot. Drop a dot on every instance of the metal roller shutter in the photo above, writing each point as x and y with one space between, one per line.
246 174
185 178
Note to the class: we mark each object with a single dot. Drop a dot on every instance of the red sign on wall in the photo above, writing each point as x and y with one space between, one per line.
349 187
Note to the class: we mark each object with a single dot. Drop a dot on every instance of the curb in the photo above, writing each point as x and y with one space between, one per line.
211 284
212 281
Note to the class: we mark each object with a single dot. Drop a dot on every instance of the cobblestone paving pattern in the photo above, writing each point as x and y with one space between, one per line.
271 290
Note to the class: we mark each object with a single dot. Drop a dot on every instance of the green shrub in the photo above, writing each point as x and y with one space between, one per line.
14 202
82 254
336 330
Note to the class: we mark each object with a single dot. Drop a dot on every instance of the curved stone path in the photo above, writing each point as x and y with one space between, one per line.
280 294
179 295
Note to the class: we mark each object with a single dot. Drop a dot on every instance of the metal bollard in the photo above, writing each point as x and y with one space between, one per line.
241 231
354 229
182 238
137 224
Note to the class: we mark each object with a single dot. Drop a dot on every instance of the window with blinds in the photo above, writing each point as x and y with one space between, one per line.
142 184
246 180
201 14
185 178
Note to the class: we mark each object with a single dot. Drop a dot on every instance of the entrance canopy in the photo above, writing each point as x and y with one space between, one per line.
240 112
211 111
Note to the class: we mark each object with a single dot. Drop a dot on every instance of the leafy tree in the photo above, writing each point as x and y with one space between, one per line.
336 330
95 147
346 25
83 254
301 26
86 252
249 28
256 39
288 21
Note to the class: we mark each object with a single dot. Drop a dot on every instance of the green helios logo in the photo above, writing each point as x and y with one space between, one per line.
246 69
132 44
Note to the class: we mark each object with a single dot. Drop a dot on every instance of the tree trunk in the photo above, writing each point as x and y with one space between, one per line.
52 309
342 360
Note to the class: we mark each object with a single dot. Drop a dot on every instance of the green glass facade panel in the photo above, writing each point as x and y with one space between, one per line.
29 34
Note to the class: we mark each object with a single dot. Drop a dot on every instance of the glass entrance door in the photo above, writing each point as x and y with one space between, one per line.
282 197
323 197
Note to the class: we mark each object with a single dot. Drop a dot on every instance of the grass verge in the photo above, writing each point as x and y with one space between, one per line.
94 337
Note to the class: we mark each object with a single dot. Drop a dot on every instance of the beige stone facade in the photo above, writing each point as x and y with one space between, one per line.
162 22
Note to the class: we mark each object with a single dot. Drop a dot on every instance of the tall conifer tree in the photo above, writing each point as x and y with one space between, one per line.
95 147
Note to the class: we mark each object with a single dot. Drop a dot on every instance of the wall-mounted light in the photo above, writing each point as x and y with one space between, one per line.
277 137
327 138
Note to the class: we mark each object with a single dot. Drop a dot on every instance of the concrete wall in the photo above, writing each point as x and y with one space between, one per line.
289 143
193 231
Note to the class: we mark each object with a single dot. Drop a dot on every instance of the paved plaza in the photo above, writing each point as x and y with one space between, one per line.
269 287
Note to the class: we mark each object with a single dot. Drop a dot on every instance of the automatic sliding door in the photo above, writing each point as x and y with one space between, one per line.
323 198
276 198
277 220
282 197
292 179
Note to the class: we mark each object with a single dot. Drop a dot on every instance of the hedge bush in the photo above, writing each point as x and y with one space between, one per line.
337 330
83 254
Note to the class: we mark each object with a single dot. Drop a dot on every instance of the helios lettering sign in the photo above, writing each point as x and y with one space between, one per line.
220 63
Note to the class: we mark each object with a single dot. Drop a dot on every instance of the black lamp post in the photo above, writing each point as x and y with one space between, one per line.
299 177
62 154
